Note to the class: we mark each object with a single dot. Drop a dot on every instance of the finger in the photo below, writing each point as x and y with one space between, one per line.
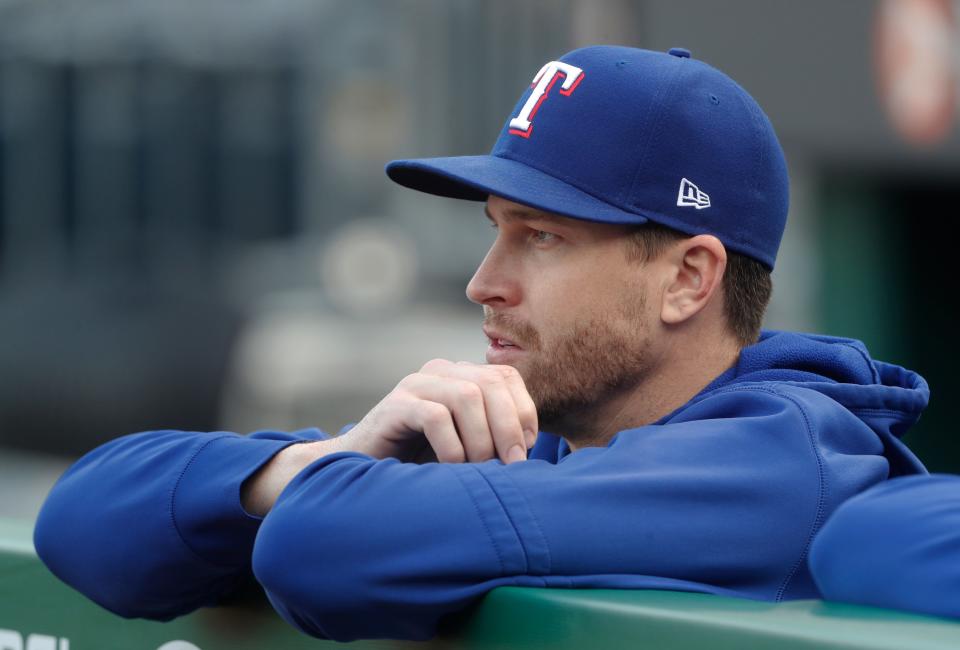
501 411
436 422
526 409
436 366
464 399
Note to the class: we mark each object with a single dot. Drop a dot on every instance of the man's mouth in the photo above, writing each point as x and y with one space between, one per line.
500 342
503 351
511 339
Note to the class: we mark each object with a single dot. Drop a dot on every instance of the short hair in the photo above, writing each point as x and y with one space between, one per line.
747 286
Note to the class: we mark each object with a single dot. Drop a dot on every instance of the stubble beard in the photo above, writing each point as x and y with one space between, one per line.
572 375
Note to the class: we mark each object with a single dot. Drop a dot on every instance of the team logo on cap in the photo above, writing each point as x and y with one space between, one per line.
691 196
542 83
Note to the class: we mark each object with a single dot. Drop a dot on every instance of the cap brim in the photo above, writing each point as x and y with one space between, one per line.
474 178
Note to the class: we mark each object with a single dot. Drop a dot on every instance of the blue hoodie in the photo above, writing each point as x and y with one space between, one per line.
723 496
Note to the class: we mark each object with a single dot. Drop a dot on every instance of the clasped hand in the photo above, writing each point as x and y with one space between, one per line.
447 412
452 413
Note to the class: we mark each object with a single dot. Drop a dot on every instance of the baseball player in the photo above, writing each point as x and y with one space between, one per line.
633 428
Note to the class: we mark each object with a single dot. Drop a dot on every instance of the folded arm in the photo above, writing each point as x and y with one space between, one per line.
160 523
151 524
723 499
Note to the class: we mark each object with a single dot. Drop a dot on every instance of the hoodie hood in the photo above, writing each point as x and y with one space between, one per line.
887 398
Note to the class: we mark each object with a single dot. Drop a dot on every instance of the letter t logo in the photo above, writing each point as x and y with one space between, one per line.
542 83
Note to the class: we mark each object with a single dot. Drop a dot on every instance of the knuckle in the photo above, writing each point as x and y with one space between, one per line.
468 391
490 378
402 392
434 414
508 372
434 365
408 381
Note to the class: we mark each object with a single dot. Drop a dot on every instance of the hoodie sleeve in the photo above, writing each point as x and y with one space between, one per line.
151 525
723 499
897 546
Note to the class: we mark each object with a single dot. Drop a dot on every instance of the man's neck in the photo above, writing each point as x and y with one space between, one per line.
668 387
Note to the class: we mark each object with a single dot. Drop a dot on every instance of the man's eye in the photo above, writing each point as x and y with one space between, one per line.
543 236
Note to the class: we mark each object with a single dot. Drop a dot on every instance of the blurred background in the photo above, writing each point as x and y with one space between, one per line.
196 231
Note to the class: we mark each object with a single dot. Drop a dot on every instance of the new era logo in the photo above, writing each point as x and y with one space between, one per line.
690 195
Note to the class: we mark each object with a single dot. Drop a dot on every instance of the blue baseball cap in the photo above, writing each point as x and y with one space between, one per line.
622 135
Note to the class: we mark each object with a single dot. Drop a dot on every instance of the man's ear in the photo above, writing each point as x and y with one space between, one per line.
697 265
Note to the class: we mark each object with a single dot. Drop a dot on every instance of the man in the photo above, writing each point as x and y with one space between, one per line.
639 199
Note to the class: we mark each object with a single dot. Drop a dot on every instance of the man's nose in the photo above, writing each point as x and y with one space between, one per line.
493 284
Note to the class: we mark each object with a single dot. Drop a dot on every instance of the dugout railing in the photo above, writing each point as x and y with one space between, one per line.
37 612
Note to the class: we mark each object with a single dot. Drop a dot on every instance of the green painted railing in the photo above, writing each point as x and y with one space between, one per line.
37 612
